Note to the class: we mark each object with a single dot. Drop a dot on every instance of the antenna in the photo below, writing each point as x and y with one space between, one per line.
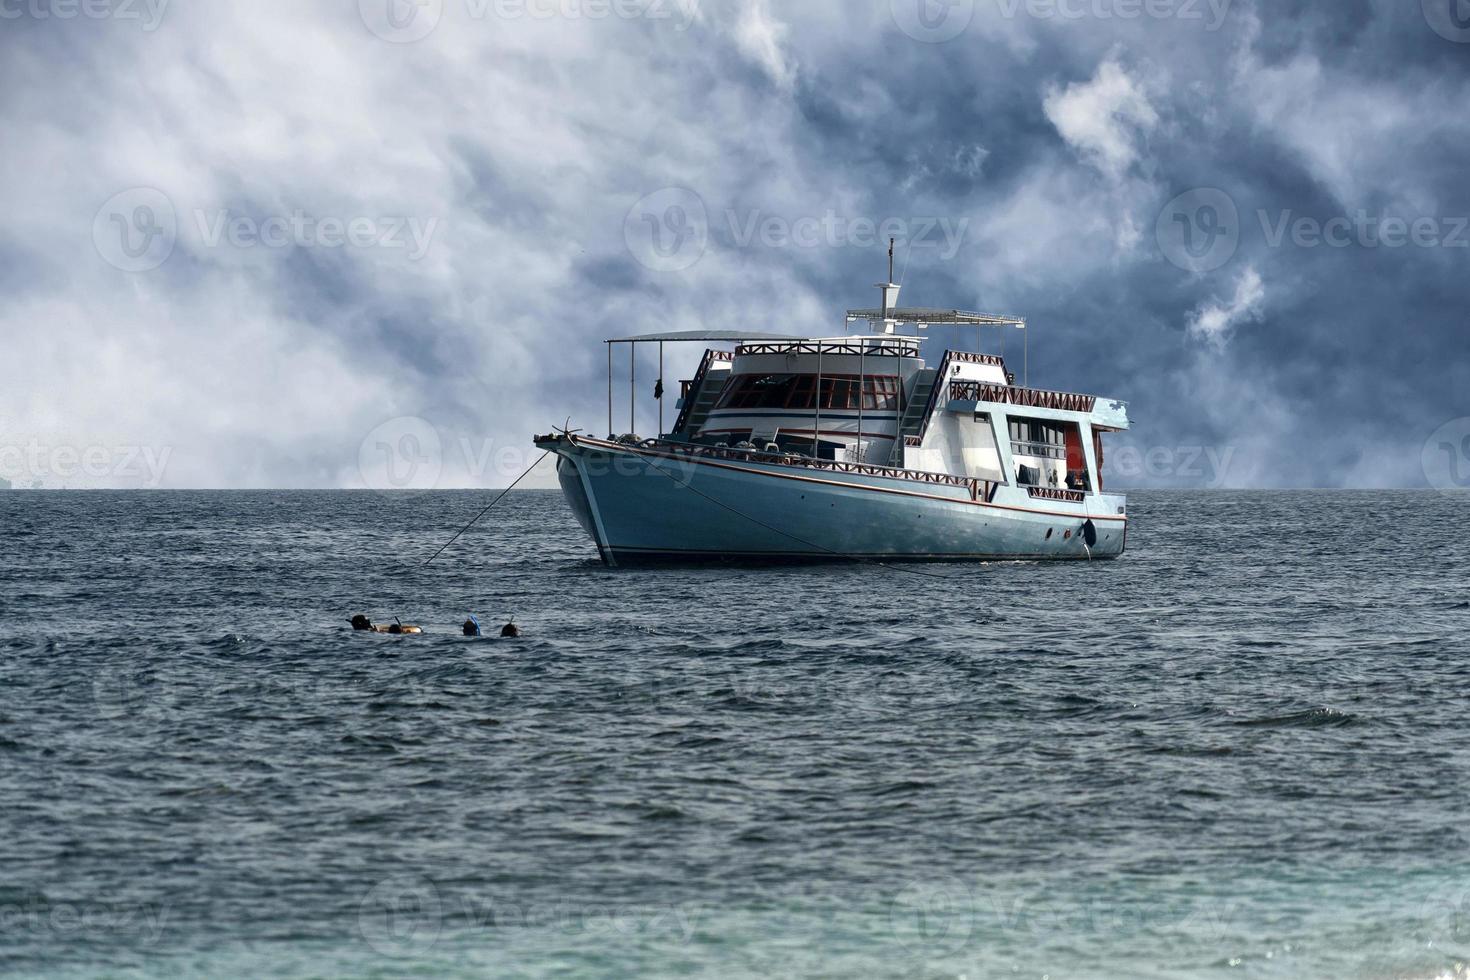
890 291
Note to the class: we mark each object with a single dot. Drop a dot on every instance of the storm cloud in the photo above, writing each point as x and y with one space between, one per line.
265 241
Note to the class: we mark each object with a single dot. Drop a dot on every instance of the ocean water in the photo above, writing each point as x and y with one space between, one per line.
1239 751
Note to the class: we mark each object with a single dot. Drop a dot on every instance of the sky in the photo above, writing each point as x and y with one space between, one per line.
379 243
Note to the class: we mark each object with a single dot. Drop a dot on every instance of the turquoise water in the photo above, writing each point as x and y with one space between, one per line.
1238 751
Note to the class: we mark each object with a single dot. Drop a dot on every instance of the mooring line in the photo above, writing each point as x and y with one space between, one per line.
486 510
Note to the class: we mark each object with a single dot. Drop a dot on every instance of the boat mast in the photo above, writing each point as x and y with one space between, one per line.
890 301
817 401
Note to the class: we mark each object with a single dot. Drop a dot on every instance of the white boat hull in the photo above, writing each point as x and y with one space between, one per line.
645 504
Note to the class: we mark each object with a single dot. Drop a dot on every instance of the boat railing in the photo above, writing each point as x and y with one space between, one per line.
982 391
1056 493
805 347
691 388
979 489
970 357
1046 450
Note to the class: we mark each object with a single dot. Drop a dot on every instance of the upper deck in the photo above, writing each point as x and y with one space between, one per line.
871 398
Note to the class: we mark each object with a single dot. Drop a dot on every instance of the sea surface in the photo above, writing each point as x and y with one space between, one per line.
1243 750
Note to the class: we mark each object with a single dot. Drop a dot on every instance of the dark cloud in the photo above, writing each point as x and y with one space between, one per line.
1056 141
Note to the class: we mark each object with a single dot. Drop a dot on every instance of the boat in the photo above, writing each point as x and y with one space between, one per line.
849 448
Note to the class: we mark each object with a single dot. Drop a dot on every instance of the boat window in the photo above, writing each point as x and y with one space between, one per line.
758 391
1053 454
877 393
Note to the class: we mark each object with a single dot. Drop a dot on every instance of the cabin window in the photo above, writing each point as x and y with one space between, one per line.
1037 437
877 393
1049 454
758 391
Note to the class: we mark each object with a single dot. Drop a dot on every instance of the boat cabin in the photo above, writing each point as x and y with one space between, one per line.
871 399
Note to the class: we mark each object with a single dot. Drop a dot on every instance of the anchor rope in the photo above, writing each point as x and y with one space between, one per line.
487 509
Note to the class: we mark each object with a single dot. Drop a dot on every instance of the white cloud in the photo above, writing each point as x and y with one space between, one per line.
1214 320
760 37
1352 132
1104 118
527 140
